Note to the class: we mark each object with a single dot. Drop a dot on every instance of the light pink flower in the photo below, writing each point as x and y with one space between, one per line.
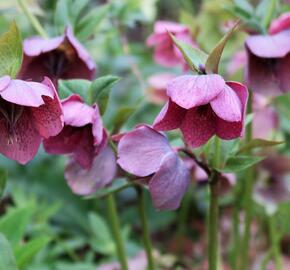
203 106
237 62
29 111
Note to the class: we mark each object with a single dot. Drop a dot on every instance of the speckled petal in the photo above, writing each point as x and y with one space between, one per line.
189 91
141 150
280 24
170 117
169 183
86 182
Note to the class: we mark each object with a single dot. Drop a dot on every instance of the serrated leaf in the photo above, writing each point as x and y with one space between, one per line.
212 62
258 143
10 52
25 253
100 91
7 259
239 163
194 57
3 180
75 86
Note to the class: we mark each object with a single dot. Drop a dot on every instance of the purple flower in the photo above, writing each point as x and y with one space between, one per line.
29 111
62 57
203 106
154 157
268 65
166 53
92 165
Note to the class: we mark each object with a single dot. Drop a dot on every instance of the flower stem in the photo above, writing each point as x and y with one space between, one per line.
112 212
33 20
145 228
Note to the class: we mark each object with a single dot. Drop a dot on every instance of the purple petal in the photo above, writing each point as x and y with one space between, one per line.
270 46
4 82
170 117
279 24
189 91
168 26
97 128
283 69
141 150
198 125
227 105
169 183
23 142
102 172
26 93
49 116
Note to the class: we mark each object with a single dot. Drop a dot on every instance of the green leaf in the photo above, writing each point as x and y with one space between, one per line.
239 163
194 57
7 259
14 223
122 115
10 52
25 253
76 86
258 143
212 62
3 180
61 15
100 91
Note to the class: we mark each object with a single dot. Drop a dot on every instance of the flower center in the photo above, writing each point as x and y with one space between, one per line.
56 63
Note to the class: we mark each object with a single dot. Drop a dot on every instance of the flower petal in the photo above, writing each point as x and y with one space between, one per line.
4 82
49 116
170 117
279 24
26 93
169 183
102 172
21 145
227 105
168 26
189 91
198 125
97 128
141 150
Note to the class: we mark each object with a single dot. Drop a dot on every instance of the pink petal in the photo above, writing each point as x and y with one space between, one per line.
270 46
283 70
170 117
227 105
279 24
26 93
102 172
198 125
189 91
168 26
49 117
97 128
141 150
4 82
21 145
169 183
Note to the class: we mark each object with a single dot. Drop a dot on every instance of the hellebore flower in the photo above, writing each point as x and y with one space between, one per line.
166 53
203 106
268 65
29 111
62 57
91 165
154 157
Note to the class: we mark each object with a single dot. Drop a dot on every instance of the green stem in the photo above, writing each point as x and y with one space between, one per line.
145 228
33 20
275 243
112 212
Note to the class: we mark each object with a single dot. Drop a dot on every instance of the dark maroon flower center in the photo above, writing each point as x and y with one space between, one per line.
56 63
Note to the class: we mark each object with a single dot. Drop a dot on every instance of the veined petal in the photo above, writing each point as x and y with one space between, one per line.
141 150
169 183
189 91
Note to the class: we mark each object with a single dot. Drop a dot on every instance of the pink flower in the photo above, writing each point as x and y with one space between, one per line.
268 65
154 157
62 57
29 111
91 165
166 53
237 62
203 106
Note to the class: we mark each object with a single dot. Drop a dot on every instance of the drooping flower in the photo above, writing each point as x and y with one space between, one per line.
268 64
203 106
92 165
29 111
62 57
165 52
156 159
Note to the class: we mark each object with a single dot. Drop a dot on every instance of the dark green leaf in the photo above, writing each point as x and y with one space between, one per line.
10 52
7 260
3 180
76 86
258 143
